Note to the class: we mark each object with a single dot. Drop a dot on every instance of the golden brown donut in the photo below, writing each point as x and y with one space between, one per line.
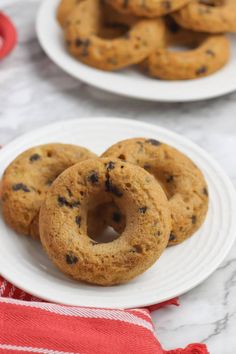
85 42
181 179
204 55
28 178
213 16
84 186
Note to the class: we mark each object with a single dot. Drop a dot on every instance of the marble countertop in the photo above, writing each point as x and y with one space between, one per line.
35 92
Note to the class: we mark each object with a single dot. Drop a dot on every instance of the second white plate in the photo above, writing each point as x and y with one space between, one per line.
180 268
130 82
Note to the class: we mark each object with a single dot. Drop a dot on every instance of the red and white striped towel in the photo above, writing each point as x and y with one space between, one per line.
29 325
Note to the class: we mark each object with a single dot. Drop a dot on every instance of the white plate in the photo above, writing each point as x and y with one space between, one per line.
180 268
130 82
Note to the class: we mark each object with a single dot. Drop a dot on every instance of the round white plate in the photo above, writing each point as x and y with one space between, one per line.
130 82
180 268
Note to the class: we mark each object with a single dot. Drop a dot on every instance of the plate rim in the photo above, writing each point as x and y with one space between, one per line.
39 131
113 89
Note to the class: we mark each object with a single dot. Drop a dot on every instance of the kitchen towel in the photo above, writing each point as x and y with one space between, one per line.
29 325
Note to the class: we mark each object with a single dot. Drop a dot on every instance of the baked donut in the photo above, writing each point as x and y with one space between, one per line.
213 16
64 9
113 24
28 178
181 179
148 8
204 55
92 183
84 38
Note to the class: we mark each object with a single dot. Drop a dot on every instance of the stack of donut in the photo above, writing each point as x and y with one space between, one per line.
151 194
115 34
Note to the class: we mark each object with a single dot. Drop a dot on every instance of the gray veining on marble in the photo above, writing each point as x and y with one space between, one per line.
35 92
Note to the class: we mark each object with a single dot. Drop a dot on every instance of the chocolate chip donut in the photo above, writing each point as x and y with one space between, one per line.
83 187
84 35
112 24
181 179
204 55
213 16
148 8
64 9
28 178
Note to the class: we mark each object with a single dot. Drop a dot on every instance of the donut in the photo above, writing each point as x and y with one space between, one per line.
204 55
181 179
27 180
148 8
64 9
84 38
213 16
63 229
111 18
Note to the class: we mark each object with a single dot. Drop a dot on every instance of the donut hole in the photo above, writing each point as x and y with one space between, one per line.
184 42
181 40
107 235
105 223
110 27
181 47
112 30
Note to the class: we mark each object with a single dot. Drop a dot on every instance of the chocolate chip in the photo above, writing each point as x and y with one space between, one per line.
71 259
172 237
116 217
74 204
205 191
69 192
158 233
137 249
202 70
194 219
143 210
93 177
78 220
210 52
110 165
169 179
20 187
78 42
109 187
49 182
63 202
35 157
147 166
153 142
122 157
84 43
